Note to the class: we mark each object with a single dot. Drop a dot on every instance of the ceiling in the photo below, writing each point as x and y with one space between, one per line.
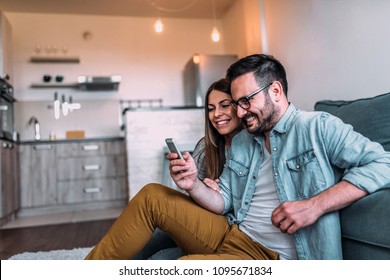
134 8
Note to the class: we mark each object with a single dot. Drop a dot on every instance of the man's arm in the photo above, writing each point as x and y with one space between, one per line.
184 173
294 215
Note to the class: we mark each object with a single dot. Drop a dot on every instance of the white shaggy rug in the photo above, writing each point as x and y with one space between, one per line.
73 254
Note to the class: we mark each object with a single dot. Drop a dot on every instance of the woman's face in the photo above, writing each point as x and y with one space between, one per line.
222 115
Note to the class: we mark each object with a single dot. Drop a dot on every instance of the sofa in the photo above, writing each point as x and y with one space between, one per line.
365 224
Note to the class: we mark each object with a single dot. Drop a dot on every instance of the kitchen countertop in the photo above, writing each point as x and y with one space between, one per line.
160 108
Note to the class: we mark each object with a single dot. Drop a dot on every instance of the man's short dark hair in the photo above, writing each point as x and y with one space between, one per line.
265 68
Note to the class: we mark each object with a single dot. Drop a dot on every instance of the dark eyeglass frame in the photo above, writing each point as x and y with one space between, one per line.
244 102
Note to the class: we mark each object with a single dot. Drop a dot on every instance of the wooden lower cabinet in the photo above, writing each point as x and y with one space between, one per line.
9 183
37 175
73 175
91 190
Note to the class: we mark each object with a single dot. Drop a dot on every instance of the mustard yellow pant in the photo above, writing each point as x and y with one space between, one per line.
200 233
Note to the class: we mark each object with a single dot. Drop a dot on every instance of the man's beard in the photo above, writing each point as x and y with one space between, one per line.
266 122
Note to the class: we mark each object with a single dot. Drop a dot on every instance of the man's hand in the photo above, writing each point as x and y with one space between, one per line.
292 216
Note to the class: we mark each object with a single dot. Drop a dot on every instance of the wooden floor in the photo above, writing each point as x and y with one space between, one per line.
52 237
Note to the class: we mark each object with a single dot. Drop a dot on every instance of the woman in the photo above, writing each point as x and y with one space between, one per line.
221 124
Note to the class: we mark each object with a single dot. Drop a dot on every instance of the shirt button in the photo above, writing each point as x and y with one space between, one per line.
246 203
240 173
298 166
254 177
276 173
274 149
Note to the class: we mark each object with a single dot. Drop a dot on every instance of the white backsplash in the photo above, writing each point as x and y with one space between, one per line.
97 118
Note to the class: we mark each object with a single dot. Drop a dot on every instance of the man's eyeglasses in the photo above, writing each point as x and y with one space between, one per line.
244 103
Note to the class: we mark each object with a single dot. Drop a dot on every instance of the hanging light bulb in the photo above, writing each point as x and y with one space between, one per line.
158 26
215 35
196 58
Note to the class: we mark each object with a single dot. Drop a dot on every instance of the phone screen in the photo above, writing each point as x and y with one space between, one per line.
172 147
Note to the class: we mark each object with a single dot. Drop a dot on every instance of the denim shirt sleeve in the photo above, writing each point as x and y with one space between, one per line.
224 182
366 164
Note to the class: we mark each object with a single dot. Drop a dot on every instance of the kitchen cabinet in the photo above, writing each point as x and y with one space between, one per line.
73 175
9 183
38 175
88 172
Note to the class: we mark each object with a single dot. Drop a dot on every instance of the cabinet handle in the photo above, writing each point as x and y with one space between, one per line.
90 147
92 190
91 167
43 147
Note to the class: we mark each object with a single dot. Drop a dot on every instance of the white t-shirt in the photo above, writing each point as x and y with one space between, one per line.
257 222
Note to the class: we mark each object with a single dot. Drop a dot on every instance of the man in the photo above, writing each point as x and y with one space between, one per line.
284 178
311 162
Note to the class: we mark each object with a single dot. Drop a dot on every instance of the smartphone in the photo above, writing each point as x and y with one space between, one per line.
172 147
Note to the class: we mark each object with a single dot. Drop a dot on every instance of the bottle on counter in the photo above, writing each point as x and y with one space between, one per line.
52 135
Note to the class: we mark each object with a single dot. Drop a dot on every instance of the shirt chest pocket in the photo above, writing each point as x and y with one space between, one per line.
239 177
306 174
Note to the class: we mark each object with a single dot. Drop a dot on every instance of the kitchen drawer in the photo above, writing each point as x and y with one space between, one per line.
90 167
98 148
91 190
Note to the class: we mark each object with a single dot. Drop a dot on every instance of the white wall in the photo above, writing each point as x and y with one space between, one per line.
242 28
150 64
332 49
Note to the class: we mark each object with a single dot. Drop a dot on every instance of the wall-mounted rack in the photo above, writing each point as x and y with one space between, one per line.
54 59
68 85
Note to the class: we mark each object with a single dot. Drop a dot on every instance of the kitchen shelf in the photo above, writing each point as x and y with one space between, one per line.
69 85
42 59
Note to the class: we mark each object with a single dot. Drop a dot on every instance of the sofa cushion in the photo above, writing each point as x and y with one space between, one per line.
368 116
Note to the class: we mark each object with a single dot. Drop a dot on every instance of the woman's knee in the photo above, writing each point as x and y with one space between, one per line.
153 190
153 194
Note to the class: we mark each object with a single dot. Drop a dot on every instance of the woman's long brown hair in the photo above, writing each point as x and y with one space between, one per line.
214 142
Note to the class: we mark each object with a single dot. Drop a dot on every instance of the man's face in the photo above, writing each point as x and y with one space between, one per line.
261 116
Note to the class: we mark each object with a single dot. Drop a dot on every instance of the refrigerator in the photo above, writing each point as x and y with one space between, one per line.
199 72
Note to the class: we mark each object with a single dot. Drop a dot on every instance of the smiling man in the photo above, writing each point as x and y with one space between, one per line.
297 166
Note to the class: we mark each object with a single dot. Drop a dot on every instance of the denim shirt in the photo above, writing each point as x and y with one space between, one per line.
311 151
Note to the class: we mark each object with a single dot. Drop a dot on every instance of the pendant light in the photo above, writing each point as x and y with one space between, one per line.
158 25
215 34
